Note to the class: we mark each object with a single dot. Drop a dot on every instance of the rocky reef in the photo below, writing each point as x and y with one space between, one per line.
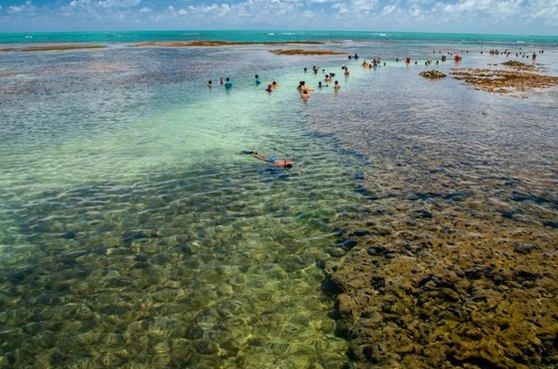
432 74
424 288
517 77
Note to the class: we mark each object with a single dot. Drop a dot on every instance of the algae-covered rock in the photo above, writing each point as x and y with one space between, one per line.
432 74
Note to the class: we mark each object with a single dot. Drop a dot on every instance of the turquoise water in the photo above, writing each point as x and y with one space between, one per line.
279 36
134 233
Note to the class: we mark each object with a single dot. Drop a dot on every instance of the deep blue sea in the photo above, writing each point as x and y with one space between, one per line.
134 231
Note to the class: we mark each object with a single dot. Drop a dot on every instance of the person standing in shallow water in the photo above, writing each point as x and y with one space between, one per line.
228 83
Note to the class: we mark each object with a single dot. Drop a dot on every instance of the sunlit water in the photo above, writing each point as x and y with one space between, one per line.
134 233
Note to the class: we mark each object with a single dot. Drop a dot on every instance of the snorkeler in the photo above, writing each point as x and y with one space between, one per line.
275 161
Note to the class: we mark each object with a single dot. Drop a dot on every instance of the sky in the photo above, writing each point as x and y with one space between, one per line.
516 17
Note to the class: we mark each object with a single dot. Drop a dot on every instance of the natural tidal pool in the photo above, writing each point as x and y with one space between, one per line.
135 233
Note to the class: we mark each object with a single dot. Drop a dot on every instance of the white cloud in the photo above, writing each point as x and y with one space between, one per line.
495 16
28 6
388 9
118 3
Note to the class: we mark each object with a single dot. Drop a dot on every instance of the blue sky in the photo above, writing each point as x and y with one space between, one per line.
525 17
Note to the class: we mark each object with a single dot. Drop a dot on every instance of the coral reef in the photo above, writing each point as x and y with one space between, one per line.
519 77
432 74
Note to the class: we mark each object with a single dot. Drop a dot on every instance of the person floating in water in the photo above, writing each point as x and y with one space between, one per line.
285 163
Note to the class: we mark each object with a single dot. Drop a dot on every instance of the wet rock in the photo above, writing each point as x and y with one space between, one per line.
367 193
194 332
337 251
520 196
432 74
137 235
347 243
455 196
426 214
425 196
141 265
205 347
524 248
361 232
376 250
550 223
321 263
69 235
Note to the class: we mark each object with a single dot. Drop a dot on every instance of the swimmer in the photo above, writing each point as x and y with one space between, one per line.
336 85
285 163
269 88
305 95
209 84
257 80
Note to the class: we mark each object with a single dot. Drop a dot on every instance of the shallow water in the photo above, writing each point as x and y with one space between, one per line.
134 234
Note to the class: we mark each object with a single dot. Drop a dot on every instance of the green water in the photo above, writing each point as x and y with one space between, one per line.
135 234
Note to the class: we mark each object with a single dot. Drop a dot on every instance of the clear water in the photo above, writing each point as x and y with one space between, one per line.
134 234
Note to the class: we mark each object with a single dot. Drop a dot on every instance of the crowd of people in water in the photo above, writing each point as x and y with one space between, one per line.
375 63
302 88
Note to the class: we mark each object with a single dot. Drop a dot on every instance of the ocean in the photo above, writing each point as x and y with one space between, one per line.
135 231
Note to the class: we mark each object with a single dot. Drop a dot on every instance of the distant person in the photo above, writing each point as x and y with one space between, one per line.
228 83
302 87
221 81
274 85
285 163
269 88
305 95
257 80
336 85
209 84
